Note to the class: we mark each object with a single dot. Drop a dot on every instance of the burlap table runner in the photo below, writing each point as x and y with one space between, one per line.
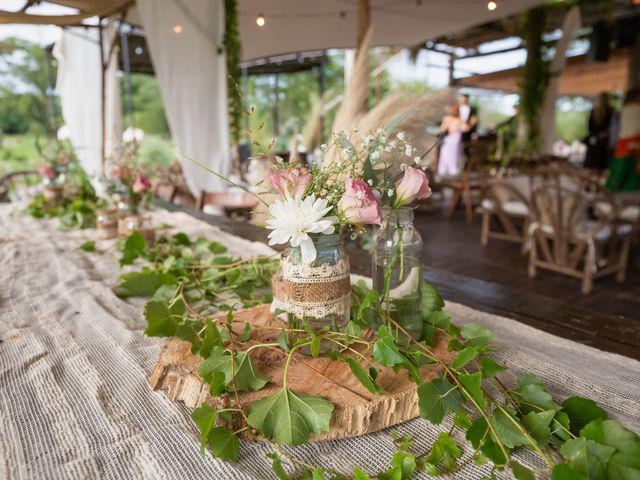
74 363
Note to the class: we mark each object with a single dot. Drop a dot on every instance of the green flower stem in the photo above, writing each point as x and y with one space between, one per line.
286 365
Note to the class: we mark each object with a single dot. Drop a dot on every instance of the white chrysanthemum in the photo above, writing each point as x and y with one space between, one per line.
294 218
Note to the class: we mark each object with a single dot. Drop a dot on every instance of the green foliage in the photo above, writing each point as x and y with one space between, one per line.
232 47
239 374
88 246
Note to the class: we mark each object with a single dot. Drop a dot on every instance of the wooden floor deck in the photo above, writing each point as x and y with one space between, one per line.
454 246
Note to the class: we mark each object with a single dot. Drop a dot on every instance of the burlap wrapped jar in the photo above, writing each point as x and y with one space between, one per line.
320 292
107 222
130 224
53 193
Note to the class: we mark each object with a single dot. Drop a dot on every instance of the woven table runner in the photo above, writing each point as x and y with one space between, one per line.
74 363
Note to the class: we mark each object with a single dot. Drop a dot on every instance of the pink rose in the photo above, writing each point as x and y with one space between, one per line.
414 185
141 184
359 204
46 170
293 182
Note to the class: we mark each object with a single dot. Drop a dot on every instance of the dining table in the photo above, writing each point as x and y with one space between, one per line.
75 400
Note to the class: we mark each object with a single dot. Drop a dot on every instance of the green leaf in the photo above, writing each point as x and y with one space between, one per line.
211 338
506 427
385 351
476 334
521 472
358 475
134 247
282 341
403 465
188 331
315 345
277 467
205 418
625 463
477 432
439 319
529 379
493 452
436 398
246 333
534 395
88 246
224 443
464 356
247 377
160 321
587 457
564 471
473 384
361 374
217 248
444 452
290 418
490 368
143 284
462 421
537 424
431 300
582 411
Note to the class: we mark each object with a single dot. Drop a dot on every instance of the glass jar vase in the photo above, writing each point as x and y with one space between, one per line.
318 293
107 222
397 268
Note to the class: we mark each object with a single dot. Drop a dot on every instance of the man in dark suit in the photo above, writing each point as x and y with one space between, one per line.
469 115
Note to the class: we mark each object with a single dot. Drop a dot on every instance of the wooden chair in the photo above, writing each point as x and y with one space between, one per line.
472 178
565 240
505 210
17 186
232 202
172 187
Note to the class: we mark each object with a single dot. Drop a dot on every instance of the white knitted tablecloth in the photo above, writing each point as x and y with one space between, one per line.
74 363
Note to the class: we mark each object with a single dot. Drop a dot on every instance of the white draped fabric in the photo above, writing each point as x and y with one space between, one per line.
185 42
79 86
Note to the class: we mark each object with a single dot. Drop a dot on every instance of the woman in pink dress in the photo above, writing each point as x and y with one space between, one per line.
451 149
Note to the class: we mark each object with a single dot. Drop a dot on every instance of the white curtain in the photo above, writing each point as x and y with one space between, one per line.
185 40
79 85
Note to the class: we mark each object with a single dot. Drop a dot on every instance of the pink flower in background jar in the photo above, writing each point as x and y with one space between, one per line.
291 182
141 184
46 170
414 185
359 204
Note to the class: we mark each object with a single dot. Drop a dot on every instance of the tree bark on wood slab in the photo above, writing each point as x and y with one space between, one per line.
356 412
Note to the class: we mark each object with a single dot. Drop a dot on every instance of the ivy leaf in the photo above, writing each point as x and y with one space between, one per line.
88 246
217 248
506 427
473 383
282 341
315 345
431 301
205 418
188 331
587 457
211 338
464 356
493 452
625 462
143 284
490 368
247 377
134 247
361 374
476 334
533 395
477 432
385 351
462 421
403 465
521 472
160 321
436 398
439 319
290 418
357 475
246 333
582 411
537 424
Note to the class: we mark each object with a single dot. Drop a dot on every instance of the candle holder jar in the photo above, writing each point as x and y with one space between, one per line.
397 268
137 222
107 222
53 191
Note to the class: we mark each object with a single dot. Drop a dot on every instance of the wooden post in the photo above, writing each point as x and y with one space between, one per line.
634 64
452 69
364 20
103 112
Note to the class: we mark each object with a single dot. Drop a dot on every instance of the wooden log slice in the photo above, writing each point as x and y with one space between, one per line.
356 411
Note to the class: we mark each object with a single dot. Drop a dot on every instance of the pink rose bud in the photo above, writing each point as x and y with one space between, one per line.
414 185
291 182
359 204
141 184
46 170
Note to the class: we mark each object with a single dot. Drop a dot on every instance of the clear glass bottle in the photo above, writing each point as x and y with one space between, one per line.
397 268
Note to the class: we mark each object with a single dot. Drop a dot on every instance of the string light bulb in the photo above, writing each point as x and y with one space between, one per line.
177 29
260 20
492 6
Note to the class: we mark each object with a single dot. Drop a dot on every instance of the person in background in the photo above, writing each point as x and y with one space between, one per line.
624 173
598 139
453 127
469 115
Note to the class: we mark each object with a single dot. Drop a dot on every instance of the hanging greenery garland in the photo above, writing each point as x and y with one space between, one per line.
232 47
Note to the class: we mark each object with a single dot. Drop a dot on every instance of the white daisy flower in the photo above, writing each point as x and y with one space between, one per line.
293 219
401 136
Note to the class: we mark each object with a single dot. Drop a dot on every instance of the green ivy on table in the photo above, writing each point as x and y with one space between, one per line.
190 280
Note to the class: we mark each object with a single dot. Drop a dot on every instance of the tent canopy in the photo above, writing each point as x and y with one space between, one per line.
303 25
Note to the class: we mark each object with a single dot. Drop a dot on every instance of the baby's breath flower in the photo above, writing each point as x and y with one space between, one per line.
408 150
403 166
370 182
401 136
390 192
417 160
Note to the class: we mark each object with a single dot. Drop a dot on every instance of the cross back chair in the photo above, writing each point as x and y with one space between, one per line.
567 240
232 202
